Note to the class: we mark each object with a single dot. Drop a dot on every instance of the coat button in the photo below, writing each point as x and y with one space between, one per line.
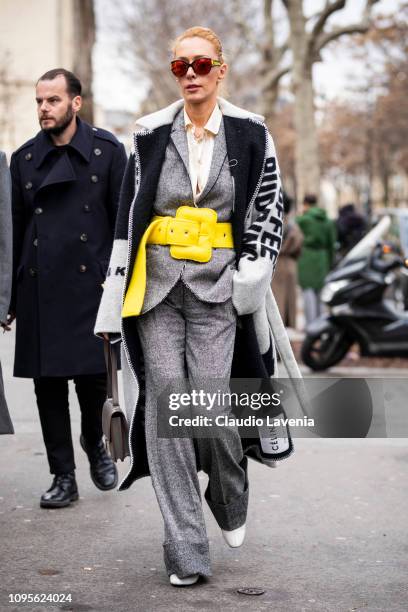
94 178
82 268
35 242
38 211
84 237
87 208
97 152
32 272
28 156
28 185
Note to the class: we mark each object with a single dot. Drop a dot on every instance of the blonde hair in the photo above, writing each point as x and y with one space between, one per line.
200 32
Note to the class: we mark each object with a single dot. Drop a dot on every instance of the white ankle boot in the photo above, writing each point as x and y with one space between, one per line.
187 581
236 537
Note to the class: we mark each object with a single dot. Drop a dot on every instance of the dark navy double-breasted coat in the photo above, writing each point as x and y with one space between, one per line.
65 202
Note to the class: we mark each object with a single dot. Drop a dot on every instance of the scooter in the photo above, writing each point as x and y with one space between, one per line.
358 312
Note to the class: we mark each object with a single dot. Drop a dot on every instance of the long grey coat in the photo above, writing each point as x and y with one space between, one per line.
5 272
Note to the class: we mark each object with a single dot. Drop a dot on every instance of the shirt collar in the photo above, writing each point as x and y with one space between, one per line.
213 123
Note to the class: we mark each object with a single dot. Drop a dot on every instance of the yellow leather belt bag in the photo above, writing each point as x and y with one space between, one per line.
191 234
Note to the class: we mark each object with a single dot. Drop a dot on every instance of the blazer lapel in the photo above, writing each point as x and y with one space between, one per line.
150 149
179 138
218 157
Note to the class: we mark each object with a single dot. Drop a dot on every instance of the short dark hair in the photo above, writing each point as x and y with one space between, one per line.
310 199
74 87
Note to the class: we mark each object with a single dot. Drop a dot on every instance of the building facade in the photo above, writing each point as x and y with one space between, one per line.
35 36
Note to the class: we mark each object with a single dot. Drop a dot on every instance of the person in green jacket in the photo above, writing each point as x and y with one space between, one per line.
317 254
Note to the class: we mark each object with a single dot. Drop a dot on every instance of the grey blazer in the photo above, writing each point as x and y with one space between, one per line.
212 281
5 238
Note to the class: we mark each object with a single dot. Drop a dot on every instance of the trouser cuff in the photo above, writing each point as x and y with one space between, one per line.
187 558
232 515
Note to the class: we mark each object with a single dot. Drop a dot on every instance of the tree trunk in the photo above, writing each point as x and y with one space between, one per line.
385 179
369 167
270 97
84 39
269 64
306 149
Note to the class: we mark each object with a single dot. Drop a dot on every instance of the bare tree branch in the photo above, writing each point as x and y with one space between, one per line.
330 8
143 30
243 26
324 39
367 10
272 78
271 52
317 43
84 39
282 50
269 32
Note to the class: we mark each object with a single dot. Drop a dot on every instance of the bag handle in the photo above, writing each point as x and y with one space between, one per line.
111 361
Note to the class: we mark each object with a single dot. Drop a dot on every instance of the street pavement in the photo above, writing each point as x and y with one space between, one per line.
327 530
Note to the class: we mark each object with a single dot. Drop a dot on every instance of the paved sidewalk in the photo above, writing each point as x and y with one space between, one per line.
327 531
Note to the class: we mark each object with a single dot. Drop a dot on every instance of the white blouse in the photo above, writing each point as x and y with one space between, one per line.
201 150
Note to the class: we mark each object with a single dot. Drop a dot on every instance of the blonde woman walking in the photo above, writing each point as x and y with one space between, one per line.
197 238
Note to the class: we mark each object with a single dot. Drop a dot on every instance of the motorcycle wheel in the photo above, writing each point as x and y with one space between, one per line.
324 351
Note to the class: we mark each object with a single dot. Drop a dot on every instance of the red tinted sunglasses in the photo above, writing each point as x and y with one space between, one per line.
201 66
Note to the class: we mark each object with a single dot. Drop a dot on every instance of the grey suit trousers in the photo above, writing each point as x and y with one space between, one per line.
183 337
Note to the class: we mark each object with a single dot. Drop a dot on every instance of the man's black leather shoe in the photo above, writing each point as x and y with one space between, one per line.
61 493
103 470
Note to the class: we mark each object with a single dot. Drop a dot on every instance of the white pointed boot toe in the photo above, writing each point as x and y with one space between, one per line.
236 537
187 581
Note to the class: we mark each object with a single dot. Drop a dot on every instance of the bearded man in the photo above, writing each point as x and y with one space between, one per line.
65 190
